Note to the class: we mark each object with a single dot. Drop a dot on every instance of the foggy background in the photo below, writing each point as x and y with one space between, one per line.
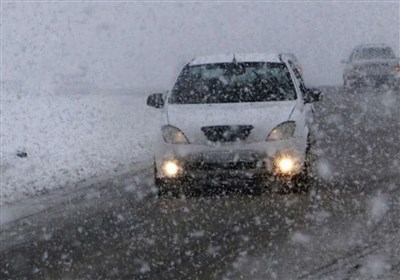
144 45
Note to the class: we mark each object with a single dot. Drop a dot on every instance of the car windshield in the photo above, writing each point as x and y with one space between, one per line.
374 53
233 82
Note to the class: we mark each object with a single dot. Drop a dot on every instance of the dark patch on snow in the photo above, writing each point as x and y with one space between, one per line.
22 154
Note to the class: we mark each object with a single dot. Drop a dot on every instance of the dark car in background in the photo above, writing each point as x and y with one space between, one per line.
371 65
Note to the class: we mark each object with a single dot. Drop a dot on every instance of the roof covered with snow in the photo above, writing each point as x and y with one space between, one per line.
239 57
362 46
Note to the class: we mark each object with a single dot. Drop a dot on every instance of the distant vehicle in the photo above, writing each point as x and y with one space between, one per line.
234 118
371 65
295 61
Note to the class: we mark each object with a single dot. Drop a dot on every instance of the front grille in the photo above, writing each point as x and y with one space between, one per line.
209 166
227 133
380 68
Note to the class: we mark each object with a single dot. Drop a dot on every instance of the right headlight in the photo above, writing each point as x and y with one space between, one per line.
173 135
282 131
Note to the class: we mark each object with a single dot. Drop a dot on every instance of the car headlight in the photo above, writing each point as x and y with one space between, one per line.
170 168
287 164
173 135
282 131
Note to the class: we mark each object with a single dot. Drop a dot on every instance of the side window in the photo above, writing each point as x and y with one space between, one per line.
302 86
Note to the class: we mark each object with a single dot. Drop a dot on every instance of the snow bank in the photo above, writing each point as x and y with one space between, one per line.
52 140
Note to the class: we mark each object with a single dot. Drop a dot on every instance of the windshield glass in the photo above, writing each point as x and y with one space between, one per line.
374 53
233 82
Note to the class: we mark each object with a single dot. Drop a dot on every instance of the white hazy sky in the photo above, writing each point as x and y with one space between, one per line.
143 45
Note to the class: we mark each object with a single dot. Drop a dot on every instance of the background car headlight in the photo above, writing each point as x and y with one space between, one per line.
282 131
173 135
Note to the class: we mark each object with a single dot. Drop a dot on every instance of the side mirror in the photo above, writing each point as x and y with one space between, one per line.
155 100
313 95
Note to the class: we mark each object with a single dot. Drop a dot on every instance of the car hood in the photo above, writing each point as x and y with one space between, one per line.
262 117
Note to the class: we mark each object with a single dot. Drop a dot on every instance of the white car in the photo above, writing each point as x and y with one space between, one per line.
234 119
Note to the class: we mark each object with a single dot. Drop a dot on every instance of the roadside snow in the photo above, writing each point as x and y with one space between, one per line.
69 136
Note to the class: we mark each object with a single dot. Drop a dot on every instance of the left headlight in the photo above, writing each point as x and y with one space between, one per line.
170 168
282 131
173 135
287 163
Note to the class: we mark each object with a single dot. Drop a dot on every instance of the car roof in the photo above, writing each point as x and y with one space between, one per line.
235 57
291 56
365 46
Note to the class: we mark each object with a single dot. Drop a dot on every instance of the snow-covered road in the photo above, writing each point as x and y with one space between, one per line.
348 227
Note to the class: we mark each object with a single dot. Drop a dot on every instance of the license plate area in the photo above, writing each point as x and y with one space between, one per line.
225 160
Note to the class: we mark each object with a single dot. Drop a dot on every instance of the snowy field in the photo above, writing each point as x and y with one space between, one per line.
69 136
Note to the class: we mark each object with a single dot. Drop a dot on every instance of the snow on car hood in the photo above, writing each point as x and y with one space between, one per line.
263 116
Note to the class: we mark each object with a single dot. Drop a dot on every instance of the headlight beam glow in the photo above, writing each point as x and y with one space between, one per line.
170 168
286 165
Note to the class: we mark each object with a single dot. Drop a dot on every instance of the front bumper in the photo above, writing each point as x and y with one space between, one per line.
231 163
366 79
